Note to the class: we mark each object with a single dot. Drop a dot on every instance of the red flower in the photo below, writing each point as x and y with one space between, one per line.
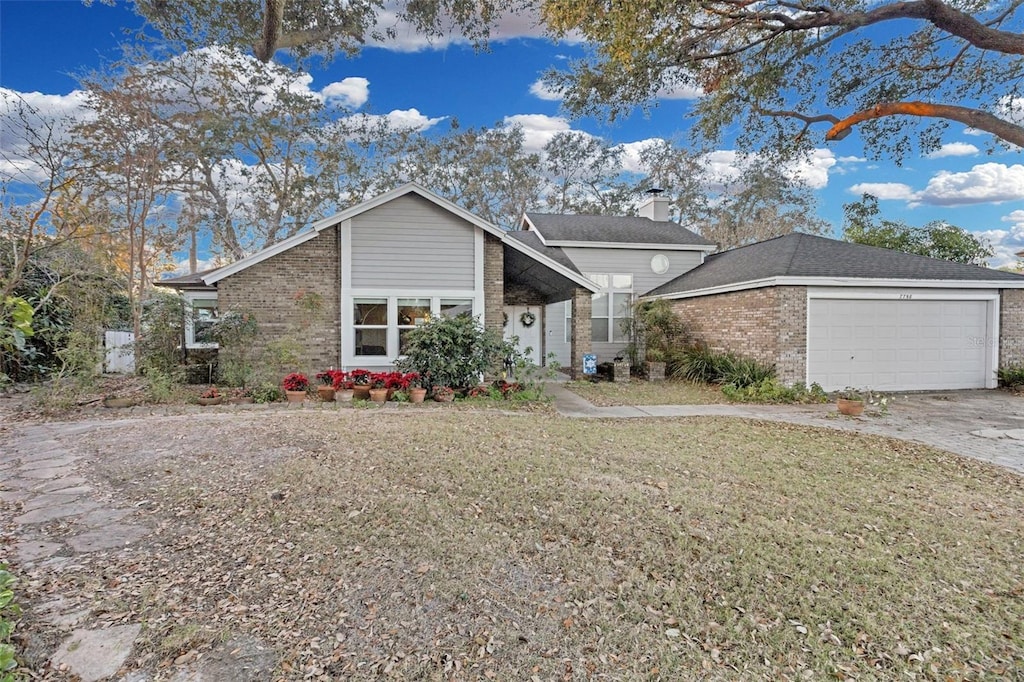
296 381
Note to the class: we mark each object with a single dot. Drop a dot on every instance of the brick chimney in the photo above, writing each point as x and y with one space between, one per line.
655 206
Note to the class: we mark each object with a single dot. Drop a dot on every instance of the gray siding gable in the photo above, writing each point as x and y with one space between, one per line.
410 242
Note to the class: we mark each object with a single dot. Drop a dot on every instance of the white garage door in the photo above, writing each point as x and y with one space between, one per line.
897 344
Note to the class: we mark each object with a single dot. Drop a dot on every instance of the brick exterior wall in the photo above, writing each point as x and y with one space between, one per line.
520 294
1011 327
269 290
494 283
580 332
769 324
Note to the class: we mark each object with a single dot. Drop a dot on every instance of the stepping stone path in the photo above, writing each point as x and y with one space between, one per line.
42 483
41 478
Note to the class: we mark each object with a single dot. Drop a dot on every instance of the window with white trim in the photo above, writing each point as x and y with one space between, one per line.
200 314
412 312
380 324
610 306
371 326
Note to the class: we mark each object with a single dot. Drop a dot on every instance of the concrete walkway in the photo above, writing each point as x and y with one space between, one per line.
984 425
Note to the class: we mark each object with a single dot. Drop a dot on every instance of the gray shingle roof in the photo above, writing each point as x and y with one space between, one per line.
805 255
553 252
185 281
613 229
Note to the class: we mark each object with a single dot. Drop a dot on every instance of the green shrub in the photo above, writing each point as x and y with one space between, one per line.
235 333
701 364
163 334
769 390
267 393
455 352
1011 375
697 363
741 371
161 384
9 611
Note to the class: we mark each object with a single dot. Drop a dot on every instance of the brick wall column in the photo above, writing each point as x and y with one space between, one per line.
494 283
1011 327
580 333
791 365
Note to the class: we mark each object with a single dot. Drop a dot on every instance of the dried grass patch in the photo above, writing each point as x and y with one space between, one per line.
459 545
639 392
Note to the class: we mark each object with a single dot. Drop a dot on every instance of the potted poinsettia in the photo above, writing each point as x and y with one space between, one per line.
379 386
210 396
360 383
444 394
342 387
326 388
295 386
415 387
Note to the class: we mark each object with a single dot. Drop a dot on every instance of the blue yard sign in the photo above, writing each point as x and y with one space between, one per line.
589 364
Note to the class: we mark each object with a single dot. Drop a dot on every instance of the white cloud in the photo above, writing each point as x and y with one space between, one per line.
984 183
405 119
1011 108
884 190
1016 217
524 24
350 92
953 149
680 91
538 129
851 159
631 155
26 118
541 90
813 171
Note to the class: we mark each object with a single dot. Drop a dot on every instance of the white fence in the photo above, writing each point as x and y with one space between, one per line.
119 357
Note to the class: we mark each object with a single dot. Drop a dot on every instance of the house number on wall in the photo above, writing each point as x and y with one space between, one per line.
906 297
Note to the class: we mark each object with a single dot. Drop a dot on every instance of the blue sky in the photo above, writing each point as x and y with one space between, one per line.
44 43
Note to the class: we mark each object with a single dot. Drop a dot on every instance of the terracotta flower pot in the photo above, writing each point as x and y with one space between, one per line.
211 401
295 396
851 408
417 395
379 395
444 396
361 392
326 393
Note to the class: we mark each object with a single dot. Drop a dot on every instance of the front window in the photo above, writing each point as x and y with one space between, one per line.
610 307
382 324
201 316
412 312
371 326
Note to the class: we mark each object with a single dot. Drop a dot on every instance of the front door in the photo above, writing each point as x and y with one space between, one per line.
524 322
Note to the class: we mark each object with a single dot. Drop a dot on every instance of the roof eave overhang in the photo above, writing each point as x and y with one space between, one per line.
841 282
707 248
552 264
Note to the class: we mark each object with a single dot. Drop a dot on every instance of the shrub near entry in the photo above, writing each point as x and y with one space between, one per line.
454 352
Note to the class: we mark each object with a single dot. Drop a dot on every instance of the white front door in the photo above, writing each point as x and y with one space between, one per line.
518 323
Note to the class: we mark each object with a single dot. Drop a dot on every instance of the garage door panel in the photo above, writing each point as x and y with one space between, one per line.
889 344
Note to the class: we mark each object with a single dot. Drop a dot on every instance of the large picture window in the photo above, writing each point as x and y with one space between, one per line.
381 324
610 306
